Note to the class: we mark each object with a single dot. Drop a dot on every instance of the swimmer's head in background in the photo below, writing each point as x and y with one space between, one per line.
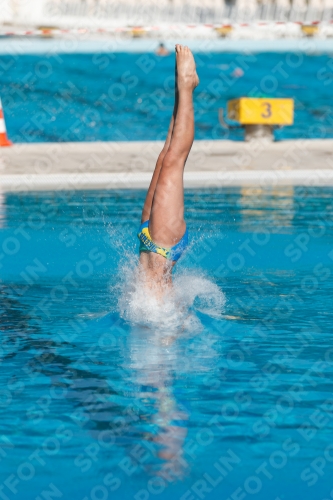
162 50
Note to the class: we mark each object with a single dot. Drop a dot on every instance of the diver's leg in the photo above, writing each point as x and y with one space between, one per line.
151 190
167 225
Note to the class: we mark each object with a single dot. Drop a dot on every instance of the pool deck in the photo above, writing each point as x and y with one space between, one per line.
129 165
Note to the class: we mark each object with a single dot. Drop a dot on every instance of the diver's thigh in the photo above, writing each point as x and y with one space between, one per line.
167 226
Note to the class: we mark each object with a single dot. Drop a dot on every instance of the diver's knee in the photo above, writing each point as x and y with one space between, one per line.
171 160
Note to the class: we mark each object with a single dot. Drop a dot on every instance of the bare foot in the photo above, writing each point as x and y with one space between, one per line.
187 77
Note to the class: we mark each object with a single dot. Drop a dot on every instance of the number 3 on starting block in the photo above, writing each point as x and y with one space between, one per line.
261 111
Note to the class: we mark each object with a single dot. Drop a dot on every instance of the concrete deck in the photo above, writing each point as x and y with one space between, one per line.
128 165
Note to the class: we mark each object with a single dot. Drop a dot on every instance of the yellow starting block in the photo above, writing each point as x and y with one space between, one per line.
310 29
260 114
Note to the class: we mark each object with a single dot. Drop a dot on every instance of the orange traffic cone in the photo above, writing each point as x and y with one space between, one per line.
4 141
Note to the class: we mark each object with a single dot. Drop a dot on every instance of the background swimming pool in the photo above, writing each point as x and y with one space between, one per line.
237 406
123 96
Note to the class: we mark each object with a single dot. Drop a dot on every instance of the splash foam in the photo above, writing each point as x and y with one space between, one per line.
173 311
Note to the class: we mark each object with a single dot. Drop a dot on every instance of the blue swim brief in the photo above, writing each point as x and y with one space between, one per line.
147 244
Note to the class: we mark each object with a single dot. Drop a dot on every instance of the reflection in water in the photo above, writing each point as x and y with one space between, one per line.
273 206
154 357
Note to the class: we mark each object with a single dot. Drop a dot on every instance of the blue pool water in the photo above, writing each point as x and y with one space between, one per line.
129 97
224 392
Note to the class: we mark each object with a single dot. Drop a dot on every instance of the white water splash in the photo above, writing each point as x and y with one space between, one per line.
175 311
